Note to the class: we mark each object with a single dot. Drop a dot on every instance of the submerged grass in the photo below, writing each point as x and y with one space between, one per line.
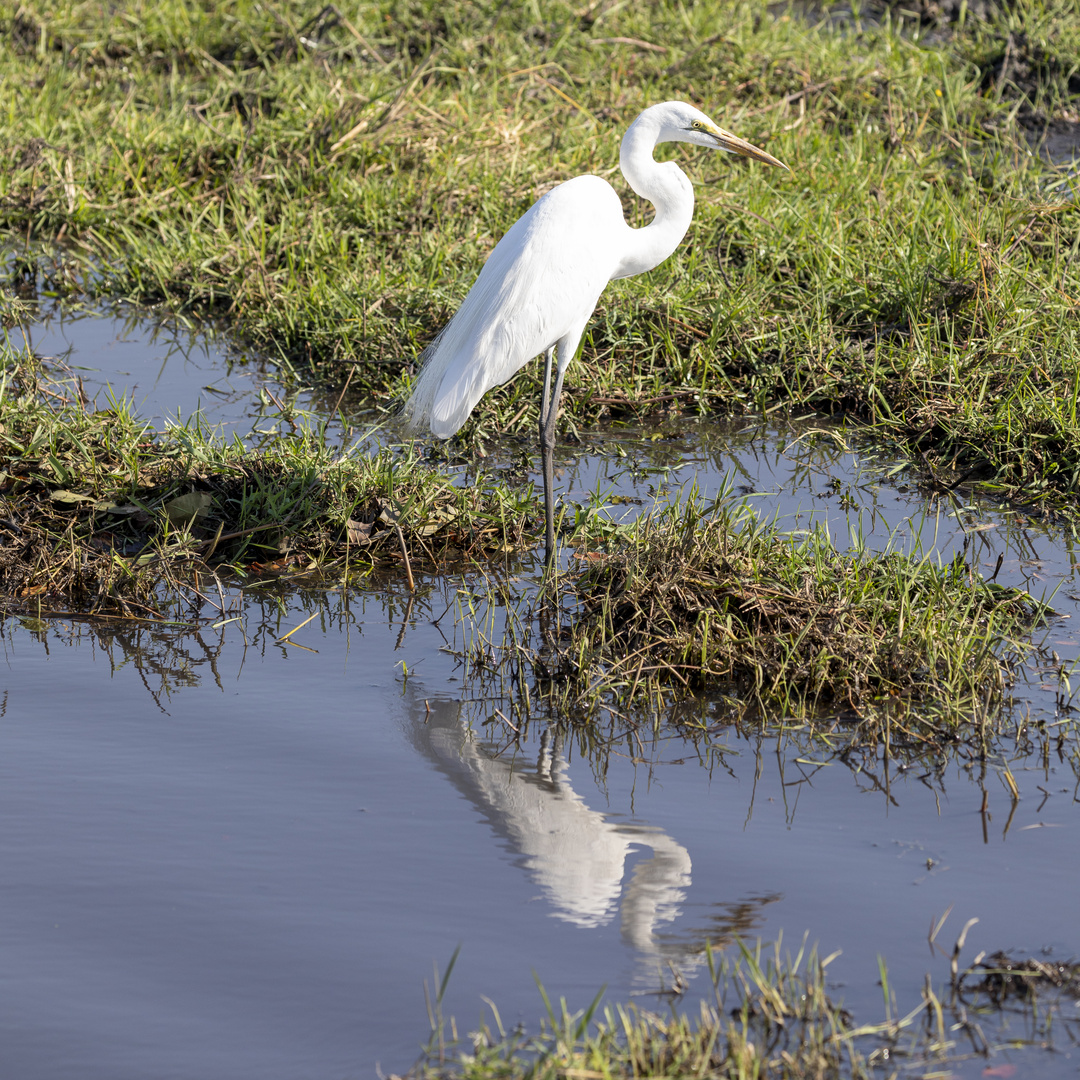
331 179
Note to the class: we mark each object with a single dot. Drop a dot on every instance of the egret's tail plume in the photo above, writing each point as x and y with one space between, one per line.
475 352
447 388
417 408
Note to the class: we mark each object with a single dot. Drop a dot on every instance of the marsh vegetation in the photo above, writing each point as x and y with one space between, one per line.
325 182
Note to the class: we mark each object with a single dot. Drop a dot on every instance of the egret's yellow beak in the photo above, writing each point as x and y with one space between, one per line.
734 145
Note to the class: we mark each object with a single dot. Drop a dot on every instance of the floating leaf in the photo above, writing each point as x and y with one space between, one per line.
589 556
358 532
186 508
278 566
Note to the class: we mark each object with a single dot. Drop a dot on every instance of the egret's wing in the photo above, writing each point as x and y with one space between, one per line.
542 281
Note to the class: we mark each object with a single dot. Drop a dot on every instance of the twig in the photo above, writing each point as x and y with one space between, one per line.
186 623
395 106
566 97
499 714
678 396
1020 236
516 417
405 556
285 637
360 37
337 404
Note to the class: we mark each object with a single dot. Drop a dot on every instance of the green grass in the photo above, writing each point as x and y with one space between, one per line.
773 1016
702 601
332 188
98 510
705 593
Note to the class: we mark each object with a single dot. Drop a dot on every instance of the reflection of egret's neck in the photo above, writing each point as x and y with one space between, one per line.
655 890
544 756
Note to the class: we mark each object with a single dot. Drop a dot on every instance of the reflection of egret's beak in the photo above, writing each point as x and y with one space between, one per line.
734 145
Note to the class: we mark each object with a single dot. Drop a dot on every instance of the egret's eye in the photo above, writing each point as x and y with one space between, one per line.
697 125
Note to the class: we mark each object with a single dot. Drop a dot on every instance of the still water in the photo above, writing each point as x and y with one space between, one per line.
230 855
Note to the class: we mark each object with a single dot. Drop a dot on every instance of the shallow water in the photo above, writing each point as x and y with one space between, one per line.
167 369
228 855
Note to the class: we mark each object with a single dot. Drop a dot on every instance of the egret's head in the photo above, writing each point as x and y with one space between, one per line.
680 122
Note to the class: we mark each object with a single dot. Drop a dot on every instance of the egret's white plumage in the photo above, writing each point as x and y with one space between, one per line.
541 284
529 295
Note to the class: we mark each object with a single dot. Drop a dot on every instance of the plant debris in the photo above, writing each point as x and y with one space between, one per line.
1002 977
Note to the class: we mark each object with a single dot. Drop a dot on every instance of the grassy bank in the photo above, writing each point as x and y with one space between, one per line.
99 511
702 615
705 593
332 179
102 514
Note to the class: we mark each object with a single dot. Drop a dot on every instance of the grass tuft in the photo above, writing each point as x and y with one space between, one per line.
98 509
703 594
772 1017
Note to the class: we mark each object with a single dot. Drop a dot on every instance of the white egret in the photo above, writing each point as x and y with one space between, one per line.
541 284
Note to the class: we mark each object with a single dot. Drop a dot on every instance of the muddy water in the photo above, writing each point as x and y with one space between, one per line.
230 855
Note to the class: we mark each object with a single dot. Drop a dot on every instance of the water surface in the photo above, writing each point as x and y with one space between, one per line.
236 856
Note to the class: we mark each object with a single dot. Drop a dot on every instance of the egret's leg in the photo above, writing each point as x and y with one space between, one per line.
545 402
548 358
547 451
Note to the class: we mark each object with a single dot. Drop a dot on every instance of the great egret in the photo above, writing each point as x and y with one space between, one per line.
540 285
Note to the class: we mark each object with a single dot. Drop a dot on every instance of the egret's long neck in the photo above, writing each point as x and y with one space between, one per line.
666 186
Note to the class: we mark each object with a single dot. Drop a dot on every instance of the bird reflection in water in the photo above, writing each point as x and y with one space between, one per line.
578 856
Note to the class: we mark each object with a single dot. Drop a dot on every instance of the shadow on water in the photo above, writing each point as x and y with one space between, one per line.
233 850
